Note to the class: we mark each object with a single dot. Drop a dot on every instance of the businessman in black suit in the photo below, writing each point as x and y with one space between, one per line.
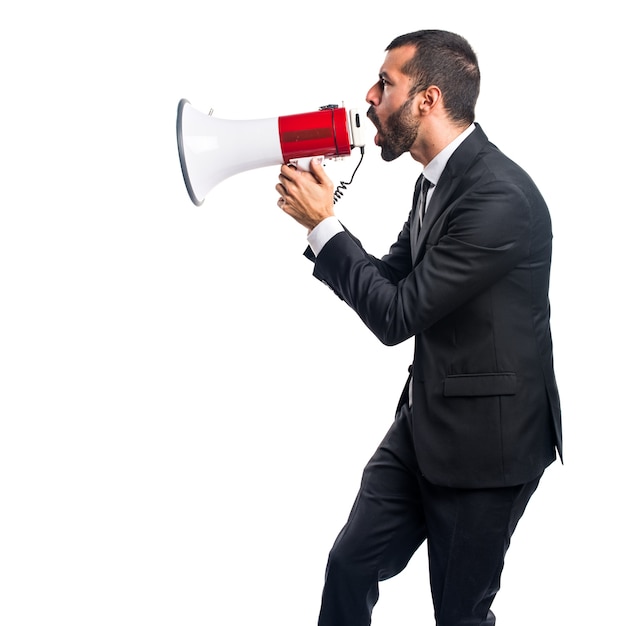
479 419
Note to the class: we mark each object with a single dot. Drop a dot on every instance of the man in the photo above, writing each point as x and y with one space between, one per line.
479 419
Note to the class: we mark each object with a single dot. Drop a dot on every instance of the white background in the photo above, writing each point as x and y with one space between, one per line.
185 412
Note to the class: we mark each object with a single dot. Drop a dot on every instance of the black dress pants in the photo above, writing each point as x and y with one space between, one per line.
467 532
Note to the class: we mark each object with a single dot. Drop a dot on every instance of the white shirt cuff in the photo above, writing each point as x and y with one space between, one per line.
323 233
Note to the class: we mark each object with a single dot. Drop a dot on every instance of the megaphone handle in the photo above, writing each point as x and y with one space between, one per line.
304 163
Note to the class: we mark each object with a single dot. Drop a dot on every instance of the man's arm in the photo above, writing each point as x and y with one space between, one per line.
486 236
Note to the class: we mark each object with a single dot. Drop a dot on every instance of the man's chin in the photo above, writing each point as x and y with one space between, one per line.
388 155
385 152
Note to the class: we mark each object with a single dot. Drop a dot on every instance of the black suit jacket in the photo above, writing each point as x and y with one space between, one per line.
485 409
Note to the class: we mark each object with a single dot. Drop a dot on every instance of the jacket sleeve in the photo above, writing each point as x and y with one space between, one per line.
393 266
483 236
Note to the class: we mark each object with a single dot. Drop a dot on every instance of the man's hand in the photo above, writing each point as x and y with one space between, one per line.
306 196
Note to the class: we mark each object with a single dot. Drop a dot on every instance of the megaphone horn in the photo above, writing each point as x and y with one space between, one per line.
212 149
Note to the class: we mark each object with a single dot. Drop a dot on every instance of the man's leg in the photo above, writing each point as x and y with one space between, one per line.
385 527
469 532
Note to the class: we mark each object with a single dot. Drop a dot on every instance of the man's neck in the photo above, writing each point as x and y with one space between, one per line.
431 142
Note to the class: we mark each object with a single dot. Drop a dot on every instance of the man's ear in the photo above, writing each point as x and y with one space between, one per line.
429 99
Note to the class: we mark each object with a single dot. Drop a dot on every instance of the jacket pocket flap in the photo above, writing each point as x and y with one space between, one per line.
496 384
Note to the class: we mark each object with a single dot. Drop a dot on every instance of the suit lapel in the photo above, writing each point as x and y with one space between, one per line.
438 201
445 189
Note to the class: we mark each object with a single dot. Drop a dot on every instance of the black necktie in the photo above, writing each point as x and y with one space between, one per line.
421 204
418 218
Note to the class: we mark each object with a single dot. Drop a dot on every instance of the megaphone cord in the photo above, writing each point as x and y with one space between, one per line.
343 185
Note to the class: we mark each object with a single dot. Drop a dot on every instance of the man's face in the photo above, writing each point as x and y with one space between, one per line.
392 110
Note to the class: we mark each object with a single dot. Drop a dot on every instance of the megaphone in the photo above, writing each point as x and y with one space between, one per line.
212 149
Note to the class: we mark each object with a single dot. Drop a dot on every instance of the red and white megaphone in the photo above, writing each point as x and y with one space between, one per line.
212 149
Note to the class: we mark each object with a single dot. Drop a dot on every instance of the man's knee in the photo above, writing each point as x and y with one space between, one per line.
344 560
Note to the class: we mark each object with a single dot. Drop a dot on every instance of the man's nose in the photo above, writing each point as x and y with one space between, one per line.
372 96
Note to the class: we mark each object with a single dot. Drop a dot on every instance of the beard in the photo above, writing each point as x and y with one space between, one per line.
399 133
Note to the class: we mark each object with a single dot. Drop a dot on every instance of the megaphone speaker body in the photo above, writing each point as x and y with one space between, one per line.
212 149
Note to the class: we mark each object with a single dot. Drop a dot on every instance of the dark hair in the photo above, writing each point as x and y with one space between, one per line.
447 61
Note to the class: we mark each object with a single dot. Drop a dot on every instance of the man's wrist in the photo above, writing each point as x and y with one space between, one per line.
319 236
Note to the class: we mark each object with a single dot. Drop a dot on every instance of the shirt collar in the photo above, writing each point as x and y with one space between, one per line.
435 168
